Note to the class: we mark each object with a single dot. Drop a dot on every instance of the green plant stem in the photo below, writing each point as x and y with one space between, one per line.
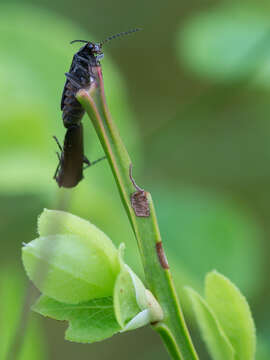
172 328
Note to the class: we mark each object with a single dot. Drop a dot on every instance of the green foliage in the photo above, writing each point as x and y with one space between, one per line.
228 43
79 261
134 305
74 271
224 319
88 322
125 304
218 344
84 280
58 222
233 314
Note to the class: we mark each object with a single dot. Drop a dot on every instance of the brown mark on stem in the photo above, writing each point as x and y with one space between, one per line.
161 255
138 199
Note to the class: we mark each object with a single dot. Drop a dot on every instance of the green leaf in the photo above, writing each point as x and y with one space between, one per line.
228 42
69 268
134 305
233 314
106 211
217 342
53 222
125 304
88 322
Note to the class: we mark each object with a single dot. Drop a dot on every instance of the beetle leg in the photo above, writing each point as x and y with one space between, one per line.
58 166
98 160
58 143
86 161
59 157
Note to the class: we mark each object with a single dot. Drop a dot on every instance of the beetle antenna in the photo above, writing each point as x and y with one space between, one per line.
119 35
84 41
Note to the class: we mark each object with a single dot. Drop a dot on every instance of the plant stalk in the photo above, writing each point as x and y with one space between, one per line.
172 328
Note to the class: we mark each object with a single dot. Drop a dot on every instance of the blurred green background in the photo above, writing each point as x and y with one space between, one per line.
190 94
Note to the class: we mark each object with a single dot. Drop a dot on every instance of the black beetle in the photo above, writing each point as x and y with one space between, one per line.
80 76
69 171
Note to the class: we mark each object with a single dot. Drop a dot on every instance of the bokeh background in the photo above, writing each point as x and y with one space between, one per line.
190 94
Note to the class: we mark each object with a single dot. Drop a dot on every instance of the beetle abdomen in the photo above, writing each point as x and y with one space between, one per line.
72 109
77 78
